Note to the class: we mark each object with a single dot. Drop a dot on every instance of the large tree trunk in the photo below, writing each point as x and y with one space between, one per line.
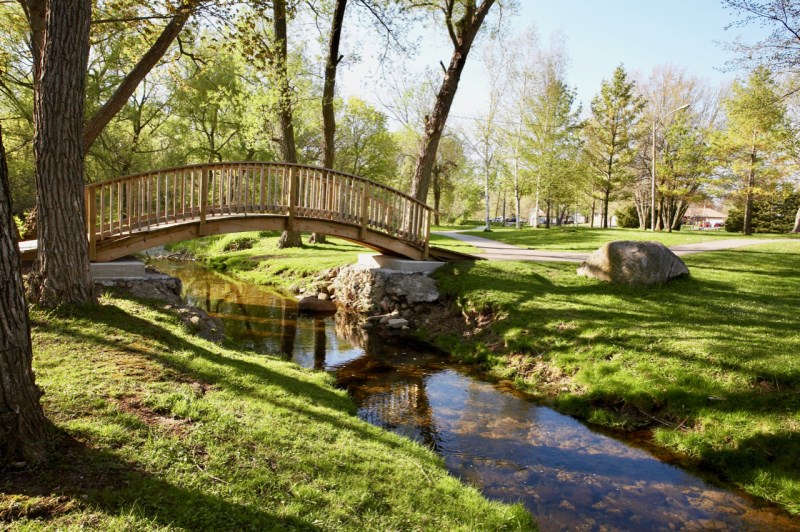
462 34
606 200
328 93
328 90
61 270
150 59
22 422
796 222
290 238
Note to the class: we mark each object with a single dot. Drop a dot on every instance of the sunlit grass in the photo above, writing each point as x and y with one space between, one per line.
586 239
154 428
710 362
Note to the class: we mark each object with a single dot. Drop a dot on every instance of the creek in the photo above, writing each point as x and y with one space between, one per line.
569 475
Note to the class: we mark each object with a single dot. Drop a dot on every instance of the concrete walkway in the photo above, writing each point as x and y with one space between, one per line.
494 250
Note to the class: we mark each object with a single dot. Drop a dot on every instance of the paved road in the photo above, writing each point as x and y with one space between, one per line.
494 250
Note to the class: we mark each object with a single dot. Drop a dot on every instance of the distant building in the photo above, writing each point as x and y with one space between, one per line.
704 216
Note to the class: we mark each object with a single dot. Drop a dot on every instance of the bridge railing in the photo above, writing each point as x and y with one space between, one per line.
202 192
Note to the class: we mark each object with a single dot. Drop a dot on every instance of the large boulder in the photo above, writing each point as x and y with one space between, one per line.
634 263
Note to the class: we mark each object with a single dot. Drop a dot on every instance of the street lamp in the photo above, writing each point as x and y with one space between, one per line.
653 174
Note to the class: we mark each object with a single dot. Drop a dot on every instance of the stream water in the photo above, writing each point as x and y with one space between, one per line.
570 476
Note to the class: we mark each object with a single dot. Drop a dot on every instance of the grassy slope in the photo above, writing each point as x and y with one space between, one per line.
585 239
711 362
155 428
293 267
265 264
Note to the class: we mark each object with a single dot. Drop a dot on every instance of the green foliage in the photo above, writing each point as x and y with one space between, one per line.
365 147
757 140
552 138
627 217
610 135
773 214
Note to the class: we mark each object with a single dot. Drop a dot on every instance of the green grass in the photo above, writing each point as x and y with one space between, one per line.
585 239
260 262
153 428
264 264
709 362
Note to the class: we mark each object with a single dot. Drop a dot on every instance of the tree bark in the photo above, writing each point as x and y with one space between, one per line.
289 239
60 272
150 59
747 226
22 422
462 34
328 93
796 222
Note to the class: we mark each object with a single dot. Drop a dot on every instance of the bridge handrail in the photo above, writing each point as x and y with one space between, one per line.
296 165
197 192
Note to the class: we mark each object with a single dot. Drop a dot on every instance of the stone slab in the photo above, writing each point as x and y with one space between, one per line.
386 262
124 268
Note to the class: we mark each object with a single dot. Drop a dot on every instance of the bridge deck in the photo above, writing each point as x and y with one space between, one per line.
134 213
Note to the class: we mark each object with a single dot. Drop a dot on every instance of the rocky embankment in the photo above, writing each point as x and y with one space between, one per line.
387 298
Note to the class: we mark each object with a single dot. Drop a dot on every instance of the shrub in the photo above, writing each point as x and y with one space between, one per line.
627 217
774 214
240 243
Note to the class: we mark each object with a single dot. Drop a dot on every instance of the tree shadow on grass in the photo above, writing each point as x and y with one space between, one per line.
97 480
238 376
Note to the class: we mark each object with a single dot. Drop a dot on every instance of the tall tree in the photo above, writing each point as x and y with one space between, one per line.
328 92
281 73
463 20
60 272
756 139
610 136
780 49
22 422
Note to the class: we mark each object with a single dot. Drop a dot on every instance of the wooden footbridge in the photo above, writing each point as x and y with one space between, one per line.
134 213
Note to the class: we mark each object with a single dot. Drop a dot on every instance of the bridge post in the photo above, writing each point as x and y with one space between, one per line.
90 197
203 200
427 249
364 210
293 185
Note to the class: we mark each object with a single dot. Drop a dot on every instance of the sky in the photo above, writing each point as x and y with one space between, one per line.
599 35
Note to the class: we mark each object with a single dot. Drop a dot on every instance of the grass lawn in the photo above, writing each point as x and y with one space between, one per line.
153 428
711 363
254 257
585 239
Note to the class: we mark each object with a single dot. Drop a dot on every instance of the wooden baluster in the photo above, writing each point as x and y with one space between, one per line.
102 208
158 198
202 200
364 213
261 195
90 197
426 250
110 209
293 184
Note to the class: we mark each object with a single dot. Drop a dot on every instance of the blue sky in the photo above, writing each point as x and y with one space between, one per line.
640 34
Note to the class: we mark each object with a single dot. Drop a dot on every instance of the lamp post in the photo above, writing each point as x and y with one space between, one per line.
653 173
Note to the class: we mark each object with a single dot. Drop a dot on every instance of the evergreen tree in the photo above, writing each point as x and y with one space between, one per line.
610 136
756 140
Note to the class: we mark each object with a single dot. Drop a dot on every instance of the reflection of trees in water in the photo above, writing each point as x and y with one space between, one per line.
391 392
288 328
320 341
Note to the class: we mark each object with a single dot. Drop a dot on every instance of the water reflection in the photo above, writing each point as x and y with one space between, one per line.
570 477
